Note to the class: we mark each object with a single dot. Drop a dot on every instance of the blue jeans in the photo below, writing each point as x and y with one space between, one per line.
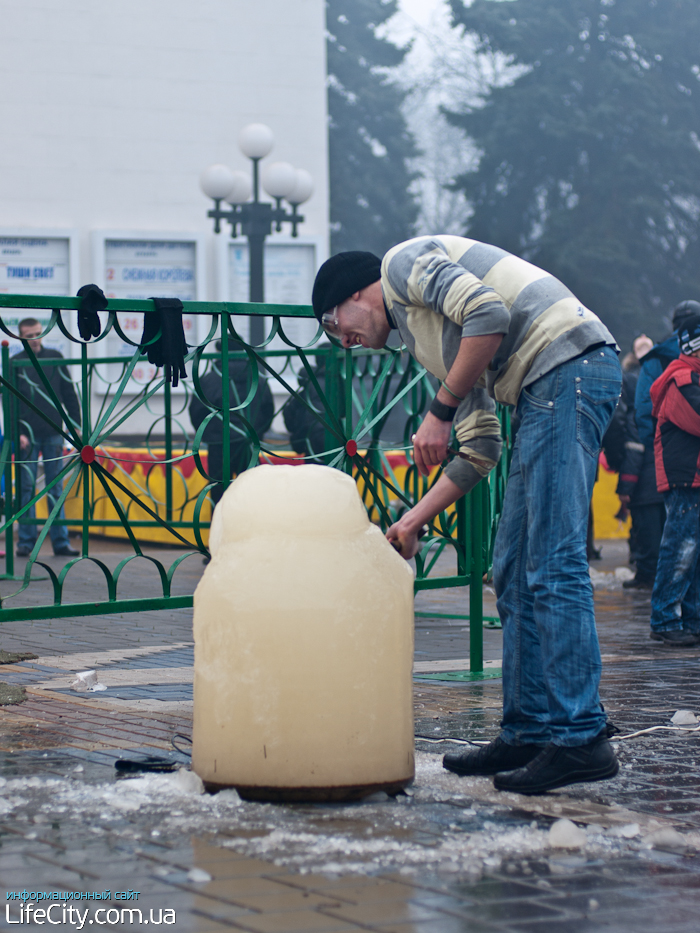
551 658
675 599
51 449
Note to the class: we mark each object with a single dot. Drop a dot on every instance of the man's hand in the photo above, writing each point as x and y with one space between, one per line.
430 443
24 442
624 509
404 538
406 531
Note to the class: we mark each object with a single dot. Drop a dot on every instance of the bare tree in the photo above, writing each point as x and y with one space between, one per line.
442 71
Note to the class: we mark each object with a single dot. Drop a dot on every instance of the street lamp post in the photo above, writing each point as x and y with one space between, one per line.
255 217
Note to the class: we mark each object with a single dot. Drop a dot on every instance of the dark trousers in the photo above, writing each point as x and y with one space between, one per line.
240 455
648 522
675 600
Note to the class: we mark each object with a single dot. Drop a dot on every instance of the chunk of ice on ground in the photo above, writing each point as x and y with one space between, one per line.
198 875
666 838
623 574
684 717
610 581
566 835
628 831
187 782
86 681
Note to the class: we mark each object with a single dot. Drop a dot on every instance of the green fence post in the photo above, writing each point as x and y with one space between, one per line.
225 406
168 414
346 404
462 545
87 431
476 601
336 401
7 425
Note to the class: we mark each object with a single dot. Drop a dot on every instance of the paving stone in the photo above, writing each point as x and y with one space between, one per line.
446 925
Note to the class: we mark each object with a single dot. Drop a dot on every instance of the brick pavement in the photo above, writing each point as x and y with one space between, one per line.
220 864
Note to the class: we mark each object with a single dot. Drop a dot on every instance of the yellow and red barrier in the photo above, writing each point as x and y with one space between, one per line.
143 473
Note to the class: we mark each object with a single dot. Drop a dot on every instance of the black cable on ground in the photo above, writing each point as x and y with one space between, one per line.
184 738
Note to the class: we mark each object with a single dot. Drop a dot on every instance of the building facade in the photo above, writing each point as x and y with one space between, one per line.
108 114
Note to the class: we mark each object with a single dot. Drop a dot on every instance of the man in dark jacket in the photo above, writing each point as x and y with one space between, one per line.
307 431
646 502
38 436
259 413
675 600
628 451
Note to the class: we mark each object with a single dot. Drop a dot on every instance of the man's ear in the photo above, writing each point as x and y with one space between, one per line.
356 296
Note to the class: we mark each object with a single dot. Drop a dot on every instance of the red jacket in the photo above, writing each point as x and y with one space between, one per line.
675 398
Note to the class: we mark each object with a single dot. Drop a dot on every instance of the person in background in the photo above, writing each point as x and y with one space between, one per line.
646 502
2 487
675 396
259 413
307 432
38 436
627 454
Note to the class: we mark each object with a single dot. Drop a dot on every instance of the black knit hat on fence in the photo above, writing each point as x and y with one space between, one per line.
341 276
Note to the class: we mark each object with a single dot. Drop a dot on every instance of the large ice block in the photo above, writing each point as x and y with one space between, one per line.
303 627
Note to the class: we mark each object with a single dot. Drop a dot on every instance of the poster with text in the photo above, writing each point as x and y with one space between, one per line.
35 266
142 269
289 277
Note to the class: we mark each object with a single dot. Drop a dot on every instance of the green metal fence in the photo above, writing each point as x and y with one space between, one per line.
363 404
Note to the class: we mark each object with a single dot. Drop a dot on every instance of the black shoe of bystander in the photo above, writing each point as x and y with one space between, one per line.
677 638
638 583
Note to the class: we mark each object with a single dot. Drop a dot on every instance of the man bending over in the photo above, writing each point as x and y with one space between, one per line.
490 325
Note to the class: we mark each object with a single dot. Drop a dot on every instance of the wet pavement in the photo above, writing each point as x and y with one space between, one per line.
451 855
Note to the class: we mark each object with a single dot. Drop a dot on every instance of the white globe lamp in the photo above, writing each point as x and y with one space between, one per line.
241 189
247 214
216 181
256 140
279 179
303 187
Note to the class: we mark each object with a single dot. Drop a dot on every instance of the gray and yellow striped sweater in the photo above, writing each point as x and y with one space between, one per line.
439 289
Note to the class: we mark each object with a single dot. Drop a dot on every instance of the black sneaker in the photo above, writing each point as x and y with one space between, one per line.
66 551
490 759
638 583
23 551
557 766
678 638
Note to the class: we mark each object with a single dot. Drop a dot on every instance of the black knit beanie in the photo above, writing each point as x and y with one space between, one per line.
341 276
683 311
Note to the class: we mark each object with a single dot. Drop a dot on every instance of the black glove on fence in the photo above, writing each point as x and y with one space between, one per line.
170 349
88 319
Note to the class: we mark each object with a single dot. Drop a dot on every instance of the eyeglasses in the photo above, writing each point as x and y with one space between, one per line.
330 323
